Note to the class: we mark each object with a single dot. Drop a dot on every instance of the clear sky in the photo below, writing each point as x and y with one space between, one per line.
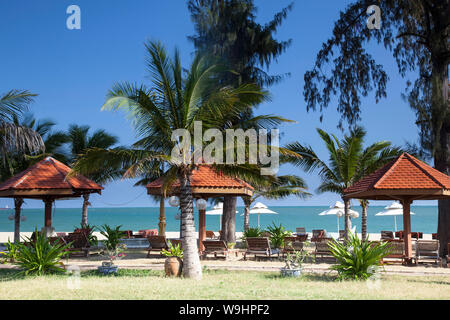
72 70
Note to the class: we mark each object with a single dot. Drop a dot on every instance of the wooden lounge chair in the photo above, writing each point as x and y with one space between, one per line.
427 250
157 243
434 236
387 235
414 235
397 251
300 231
322 249
292 244
214 247
317 235
302 237
259 246
210 234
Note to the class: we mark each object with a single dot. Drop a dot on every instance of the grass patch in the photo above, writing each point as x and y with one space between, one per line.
219 284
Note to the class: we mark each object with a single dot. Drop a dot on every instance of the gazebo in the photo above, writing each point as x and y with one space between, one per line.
46 180
404 179
205 183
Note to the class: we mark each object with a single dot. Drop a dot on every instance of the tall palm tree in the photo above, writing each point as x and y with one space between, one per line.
283 187
348 162
174 102
79 141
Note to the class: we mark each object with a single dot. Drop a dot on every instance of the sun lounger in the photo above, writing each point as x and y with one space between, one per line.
317 235
259 246
434 236
215 247
302 237
127 234
414 235
427 250
157 243
146 233
79 242
210 234
322 249
292 244
387 235
397 251
300 231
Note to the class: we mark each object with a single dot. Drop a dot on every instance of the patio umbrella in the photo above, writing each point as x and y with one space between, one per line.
217 210
260 208
395 209
338 209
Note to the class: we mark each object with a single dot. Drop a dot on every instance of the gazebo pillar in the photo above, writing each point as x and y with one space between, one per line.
201 229
17 208
48 230
407 229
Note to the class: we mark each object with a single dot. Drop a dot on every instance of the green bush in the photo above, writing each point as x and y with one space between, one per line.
39 256
12 251
277 235
113 236
356 258
252 233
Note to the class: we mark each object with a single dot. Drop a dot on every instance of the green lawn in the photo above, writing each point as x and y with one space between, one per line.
219 284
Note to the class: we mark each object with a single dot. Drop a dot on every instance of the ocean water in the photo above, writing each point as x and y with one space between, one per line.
64 220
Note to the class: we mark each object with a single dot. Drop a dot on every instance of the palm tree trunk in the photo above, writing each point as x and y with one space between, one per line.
191 260
229 220
162 218
84 212
247 203
364 204
348 222
17 207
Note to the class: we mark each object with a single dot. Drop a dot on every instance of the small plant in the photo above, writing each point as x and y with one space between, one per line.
93 240
277 235
113 236
231 245
40 257
174 251
115 254
295 260
357 258
252 233
12 251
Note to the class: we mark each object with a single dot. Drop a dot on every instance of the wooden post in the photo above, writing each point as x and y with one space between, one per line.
48 212
17 207
407 229
162 218
201 229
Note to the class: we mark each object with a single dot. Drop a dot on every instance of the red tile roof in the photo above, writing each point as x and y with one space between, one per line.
48 174
406 172
206 177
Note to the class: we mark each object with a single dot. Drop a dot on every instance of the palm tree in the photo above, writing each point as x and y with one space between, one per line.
283 187
79 141
174 102
16 140
348 162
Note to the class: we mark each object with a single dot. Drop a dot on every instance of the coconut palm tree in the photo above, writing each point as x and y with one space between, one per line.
175 101
16 140
79 141
283 187
348 162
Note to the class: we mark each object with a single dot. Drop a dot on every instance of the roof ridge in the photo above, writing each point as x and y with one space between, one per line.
388 172
416 164
52 160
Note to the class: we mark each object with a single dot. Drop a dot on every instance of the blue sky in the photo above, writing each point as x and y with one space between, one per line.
72 70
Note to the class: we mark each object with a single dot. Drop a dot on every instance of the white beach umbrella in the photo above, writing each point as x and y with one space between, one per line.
217 210
338 209
395 209
260 208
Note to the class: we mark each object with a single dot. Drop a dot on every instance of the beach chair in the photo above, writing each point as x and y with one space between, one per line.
427 250
397 252
146 233
317 235
127 234
322 249
387 235
434 236
259 246
210 234
157 243
302 237
214 247
300 231
292 244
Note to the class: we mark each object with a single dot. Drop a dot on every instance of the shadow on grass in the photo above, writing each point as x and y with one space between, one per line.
303 277
425 281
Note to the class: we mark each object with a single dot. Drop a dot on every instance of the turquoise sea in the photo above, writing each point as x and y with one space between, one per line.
424 220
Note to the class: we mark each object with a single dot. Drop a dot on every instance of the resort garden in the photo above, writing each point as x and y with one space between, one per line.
182 119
